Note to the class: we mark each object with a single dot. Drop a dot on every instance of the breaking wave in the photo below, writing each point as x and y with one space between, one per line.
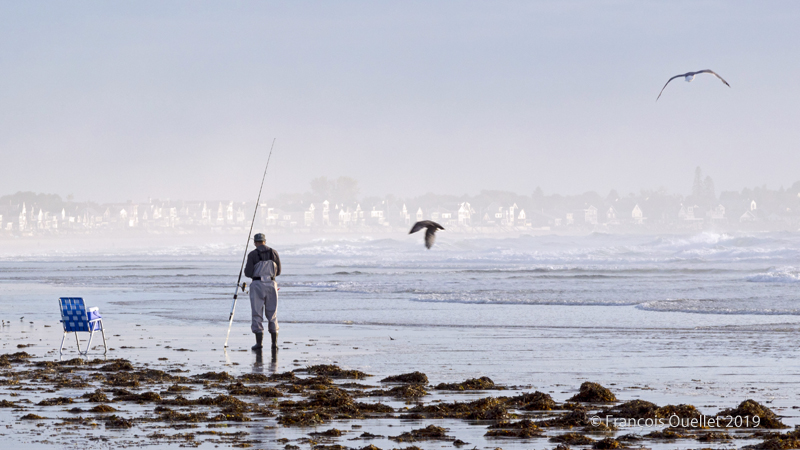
779 275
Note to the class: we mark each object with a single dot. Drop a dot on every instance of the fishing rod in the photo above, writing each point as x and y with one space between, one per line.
239 283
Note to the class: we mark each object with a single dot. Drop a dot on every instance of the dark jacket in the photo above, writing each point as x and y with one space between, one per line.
261 253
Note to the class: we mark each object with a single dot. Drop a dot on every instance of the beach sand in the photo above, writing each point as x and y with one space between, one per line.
187 351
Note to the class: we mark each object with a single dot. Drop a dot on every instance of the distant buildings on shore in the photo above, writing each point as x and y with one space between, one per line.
654 212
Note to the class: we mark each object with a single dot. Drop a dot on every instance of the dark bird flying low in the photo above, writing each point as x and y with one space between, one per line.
430 232
689 76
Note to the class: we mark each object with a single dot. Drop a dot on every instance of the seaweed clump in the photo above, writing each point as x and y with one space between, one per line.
488 408
472 384
634 409
404 391
607 444
103 409
144 397
593 393
119 365
326 404
333 432
214 376
254 377
97 396
7 359
749 409
670 434
641 409
285 376
572 439
304 419
55 401
525 428
714 436
408 378
334 371
682 411
789 440
168 415
574 418
258 391
118 422
535 401
431 432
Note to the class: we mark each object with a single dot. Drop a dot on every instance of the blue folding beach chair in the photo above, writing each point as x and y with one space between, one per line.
77 319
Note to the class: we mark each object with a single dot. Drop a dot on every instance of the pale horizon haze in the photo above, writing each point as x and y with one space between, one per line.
111 101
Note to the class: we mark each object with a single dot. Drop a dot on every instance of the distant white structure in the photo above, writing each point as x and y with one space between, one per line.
637 215
717 213
611 215
308 216
748 216
220 215
590 215
23 218
464 214
376 215
326 213
345 216
522 219
511 214
359 215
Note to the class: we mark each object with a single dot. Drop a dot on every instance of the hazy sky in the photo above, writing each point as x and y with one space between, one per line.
124 100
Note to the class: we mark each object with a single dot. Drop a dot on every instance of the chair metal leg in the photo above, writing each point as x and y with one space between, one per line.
103 332
89 344
61 347
78 342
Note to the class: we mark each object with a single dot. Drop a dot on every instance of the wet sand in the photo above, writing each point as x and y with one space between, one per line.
171 384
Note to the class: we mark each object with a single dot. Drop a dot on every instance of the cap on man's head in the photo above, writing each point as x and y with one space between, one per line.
259 237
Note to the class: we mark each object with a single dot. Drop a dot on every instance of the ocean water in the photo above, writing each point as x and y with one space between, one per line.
716 279
595 281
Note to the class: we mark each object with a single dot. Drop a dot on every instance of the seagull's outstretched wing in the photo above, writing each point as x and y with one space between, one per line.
419 225
665 85
715 74
430 237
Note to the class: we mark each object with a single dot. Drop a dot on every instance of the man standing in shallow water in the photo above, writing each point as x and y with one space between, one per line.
263 265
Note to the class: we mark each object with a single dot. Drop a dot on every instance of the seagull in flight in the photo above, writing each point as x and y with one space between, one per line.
430 232
689 76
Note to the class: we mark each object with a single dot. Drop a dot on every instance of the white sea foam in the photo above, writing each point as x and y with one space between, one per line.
786 274
714 306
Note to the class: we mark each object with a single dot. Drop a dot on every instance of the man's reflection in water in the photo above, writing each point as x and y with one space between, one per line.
273 364
258 365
